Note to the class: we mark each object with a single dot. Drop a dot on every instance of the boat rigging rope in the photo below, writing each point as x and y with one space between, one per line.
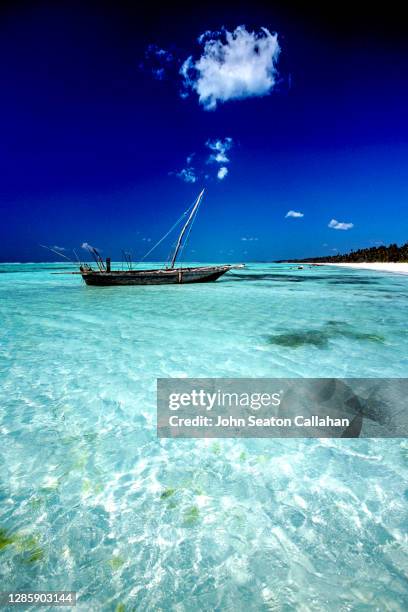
58 253
169 232
189 229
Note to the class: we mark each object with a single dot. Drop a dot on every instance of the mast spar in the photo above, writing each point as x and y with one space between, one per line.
183 231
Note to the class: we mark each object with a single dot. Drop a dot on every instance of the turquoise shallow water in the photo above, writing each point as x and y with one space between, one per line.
91 501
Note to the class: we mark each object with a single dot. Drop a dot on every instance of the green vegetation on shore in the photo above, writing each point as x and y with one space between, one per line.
391 253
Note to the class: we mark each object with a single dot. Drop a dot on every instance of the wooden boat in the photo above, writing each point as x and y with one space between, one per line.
104 276
202 274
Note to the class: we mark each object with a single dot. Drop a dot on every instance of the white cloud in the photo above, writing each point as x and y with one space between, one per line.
233 65
294 213
334 224
193 167
58 248
222 172
88 247
219 155
220 149
188 175
249 239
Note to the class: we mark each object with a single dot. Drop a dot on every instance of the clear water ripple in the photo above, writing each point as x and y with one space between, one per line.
91 501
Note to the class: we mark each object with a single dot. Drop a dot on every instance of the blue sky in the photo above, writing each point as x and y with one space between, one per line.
92 141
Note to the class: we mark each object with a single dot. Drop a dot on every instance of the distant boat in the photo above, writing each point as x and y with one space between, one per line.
105 276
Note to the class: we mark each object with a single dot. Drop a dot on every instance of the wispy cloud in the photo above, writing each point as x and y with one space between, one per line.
233 65
249 238
58 248
188 175
89 247
220 148
222 172
294 214
334 224
157 61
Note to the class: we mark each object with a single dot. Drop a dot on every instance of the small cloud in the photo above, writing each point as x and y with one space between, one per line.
86 246
334 224
194 165
58 248
249 238
157 61
220 148
188 175
294 214
222 172
158 73
219 155
162 54
233 65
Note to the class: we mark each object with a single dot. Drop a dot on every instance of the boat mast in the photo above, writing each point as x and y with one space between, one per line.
183 231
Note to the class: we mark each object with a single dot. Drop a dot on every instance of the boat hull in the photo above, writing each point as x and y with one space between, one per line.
155 277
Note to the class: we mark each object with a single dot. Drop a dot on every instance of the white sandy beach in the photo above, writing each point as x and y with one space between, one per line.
398 268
